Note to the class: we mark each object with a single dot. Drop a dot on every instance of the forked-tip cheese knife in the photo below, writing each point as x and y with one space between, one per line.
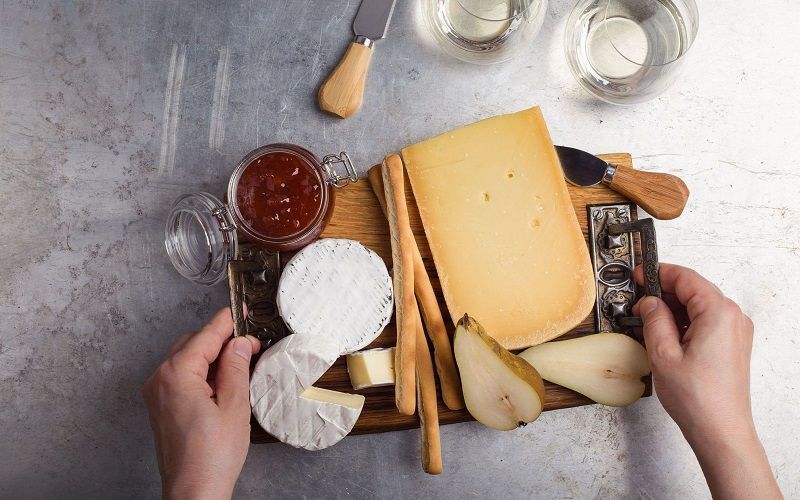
663 196
343 91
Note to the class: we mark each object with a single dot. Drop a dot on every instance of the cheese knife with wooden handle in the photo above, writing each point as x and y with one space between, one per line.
663 196
343 91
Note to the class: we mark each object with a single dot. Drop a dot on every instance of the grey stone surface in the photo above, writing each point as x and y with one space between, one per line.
110 110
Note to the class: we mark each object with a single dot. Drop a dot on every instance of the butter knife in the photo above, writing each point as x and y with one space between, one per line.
343 91
661 195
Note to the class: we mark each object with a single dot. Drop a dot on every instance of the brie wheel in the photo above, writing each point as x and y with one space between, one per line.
337 289
287 406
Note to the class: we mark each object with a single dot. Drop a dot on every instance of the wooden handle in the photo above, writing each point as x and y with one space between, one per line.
343 91
663 196
402 240
437 331
427 408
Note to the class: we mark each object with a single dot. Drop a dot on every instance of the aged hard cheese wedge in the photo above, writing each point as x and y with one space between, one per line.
287 406
338 289
505 239
372 368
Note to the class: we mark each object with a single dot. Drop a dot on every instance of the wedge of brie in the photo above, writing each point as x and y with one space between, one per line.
287 406
372 368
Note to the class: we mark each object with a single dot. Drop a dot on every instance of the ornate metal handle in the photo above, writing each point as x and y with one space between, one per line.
253 280
613 252
652 286
236 269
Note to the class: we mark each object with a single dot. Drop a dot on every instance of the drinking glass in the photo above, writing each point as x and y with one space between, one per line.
484 31
629 51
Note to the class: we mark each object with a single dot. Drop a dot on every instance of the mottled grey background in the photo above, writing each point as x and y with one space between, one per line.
110 110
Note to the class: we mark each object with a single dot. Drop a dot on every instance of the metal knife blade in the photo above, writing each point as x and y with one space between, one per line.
373 18
581 168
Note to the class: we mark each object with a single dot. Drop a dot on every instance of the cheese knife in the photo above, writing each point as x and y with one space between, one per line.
343 91
663 196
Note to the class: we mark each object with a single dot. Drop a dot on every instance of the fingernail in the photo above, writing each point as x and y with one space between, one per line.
648 305
254 342
243 347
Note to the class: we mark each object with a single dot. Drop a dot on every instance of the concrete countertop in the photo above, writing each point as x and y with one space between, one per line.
110 110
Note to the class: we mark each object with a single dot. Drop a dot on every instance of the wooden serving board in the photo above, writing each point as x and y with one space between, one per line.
358 216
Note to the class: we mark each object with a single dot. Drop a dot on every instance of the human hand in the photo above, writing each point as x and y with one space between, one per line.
702 378
201 422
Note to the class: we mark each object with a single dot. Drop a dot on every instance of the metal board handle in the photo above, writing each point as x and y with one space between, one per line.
652 285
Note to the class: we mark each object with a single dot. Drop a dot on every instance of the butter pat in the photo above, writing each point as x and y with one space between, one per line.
504 236
372 368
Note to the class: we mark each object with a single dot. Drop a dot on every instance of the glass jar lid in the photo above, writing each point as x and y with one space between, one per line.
200 237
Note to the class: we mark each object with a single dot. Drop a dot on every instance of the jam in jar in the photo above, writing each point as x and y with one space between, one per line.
281 196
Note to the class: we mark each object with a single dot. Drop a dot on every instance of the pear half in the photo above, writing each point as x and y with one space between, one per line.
501 390
605 367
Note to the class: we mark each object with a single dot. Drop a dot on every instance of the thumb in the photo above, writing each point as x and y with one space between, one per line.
233 374
661 336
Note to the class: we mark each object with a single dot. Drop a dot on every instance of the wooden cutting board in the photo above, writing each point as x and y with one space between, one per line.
358 216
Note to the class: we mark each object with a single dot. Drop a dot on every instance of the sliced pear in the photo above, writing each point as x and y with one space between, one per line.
501 390
605 367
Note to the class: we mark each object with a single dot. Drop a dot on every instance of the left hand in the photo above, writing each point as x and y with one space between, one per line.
202 425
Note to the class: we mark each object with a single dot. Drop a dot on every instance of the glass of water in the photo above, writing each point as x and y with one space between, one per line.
484 31
629 51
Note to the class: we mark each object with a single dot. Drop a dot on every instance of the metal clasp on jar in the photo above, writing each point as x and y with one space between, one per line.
223 216
329 162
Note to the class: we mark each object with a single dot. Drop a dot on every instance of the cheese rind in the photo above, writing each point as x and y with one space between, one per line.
372 368
338 289
500 223
287 406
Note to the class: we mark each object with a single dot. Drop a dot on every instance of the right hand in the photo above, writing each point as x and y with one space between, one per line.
702 378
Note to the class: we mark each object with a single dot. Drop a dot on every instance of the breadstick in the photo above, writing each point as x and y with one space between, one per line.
403 271
432 314
430 442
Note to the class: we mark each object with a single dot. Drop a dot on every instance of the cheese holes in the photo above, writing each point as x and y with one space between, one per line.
540 204
510 174
485 197
535 223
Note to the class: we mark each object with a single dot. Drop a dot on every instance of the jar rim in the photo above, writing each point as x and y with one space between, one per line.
200 238
303 154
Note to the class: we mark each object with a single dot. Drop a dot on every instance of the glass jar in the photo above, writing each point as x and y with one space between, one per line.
484 31
280 196
629 51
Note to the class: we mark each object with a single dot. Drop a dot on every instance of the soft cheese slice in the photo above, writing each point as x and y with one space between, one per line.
287 406
338 289
371 368
354 401
505 239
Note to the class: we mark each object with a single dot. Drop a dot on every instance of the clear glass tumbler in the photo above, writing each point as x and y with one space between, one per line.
484 31
629 51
